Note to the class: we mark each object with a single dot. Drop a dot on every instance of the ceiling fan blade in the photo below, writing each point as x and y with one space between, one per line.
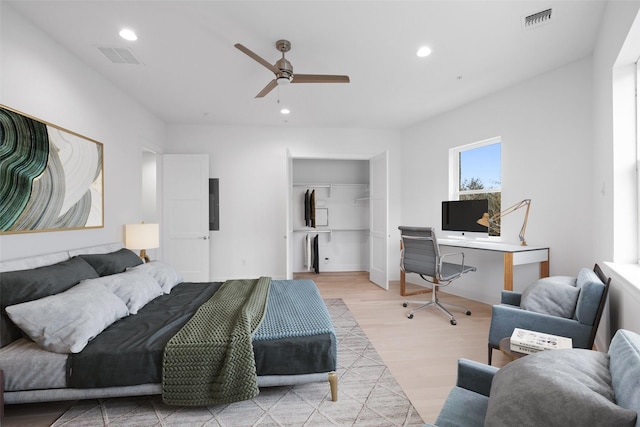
257 58
319 78
268 88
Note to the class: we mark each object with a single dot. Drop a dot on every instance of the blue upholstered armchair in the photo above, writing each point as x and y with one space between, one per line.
559 305
570 387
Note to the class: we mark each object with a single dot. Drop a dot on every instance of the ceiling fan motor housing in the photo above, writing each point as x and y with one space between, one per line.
286 70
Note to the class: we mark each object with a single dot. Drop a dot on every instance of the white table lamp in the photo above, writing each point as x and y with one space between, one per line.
142 236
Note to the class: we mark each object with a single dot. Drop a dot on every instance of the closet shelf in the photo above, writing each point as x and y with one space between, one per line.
316 185
332 186
329 230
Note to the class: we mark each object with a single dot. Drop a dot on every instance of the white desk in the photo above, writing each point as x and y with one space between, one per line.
513 254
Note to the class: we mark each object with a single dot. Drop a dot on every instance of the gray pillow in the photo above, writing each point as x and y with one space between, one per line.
166 275
66 322
112 263
556 296
133 288
556 388
35 283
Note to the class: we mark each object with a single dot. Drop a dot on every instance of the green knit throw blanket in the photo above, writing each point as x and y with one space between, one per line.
210 360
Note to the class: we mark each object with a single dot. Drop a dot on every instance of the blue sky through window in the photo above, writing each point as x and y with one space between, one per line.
482 163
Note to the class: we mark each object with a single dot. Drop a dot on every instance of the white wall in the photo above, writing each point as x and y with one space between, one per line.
41 79
546 131
611 193
251 163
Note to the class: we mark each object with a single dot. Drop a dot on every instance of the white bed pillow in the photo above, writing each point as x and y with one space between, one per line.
66 322
165 274
134 288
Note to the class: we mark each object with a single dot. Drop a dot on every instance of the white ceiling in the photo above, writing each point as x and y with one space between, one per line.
191 67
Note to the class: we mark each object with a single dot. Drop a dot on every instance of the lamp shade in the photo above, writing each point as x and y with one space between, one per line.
142 236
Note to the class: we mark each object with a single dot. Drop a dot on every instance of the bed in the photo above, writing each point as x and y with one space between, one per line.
137 350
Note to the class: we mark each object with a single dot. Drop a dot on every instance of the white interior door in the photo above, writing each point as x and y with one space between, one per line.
378 209
288 237
185 181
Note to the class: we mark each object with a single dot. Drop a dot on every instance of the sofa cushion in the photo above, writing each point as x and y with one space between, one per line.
591 289
27 285
166 275
556 388
624 365
112 263
66 322
135 289
463 408
555 296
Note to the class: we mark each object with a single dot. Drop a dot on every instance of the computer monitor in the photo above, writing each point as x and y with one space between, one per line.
460 218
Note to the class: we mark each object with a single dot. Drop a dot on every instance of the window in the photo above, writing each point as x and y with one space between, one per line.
476 173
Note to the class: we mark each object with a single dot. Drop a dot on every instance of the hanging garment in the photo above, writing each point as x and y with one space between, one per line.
307 252
312 209
316 255
307 209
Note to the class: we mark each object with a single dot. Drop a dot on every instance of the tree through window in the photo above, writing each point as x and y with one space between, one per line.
476 174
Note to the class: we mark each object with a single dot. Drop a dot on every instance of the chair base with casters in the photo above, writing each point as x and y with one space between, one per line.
436 303
420 254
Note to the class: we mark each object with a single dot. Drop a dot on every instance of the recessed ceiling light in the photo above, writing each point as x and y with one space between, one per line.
285 111
424 51
128 34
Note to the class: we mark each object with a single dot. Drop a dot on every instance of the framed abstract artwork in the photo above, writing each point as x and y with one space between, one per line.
51 179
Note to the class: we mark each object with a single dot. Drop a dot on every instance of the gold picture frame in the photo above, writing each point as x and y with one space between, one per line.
51 179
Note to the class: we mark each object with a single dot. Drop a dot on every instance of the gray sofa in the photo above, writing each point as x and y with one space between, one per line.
573 387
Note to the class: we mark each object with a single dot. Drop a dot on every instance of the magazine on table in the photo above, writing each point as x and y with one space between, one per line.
525 341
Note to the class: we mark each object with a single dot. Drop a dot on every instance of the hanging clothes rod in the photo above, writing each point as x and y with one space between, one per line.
329 185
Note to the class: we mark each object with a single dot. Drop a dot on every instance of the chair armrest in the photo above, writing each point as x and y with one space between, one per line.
461 265
511 298
475 376
504 318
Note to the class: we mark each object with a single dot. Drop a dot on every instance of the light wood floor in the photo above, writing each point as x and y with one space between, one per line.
421 352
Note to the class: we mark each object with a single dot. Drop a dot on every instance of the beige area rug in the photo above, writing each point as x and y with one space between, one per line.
368 395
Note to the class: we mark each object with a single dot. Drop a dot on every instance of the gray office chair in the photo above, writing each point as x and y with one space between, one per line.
420 254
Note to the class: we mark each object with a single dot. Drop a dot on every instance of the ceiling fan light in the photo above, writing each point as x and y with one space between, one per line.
285 111
283 81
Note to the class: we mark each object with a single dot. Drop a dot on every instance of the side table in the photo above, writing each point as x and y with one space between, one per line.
505 348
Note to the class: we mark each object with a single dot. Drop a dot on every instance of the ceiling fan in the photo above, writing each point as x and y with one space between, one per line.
283 70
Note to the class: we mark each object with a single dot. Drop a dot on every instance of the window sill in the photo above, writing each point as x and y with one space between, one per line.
626 276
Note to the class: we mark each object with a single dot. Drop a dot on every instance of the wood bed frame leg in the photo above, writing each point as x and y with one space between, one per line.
333 383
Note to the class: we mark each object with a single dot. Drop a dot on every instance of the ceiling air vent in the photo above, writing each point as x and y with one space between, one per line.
119 55
536 19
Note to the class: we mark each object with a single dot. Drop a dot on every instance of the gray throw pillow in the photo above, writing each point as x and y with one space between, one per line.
555 296
112 263
166 275
35 283
556 388
134 289
66 322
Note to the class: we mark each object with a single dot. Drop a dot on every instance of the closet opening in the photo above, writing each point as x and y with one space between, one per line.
329 215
